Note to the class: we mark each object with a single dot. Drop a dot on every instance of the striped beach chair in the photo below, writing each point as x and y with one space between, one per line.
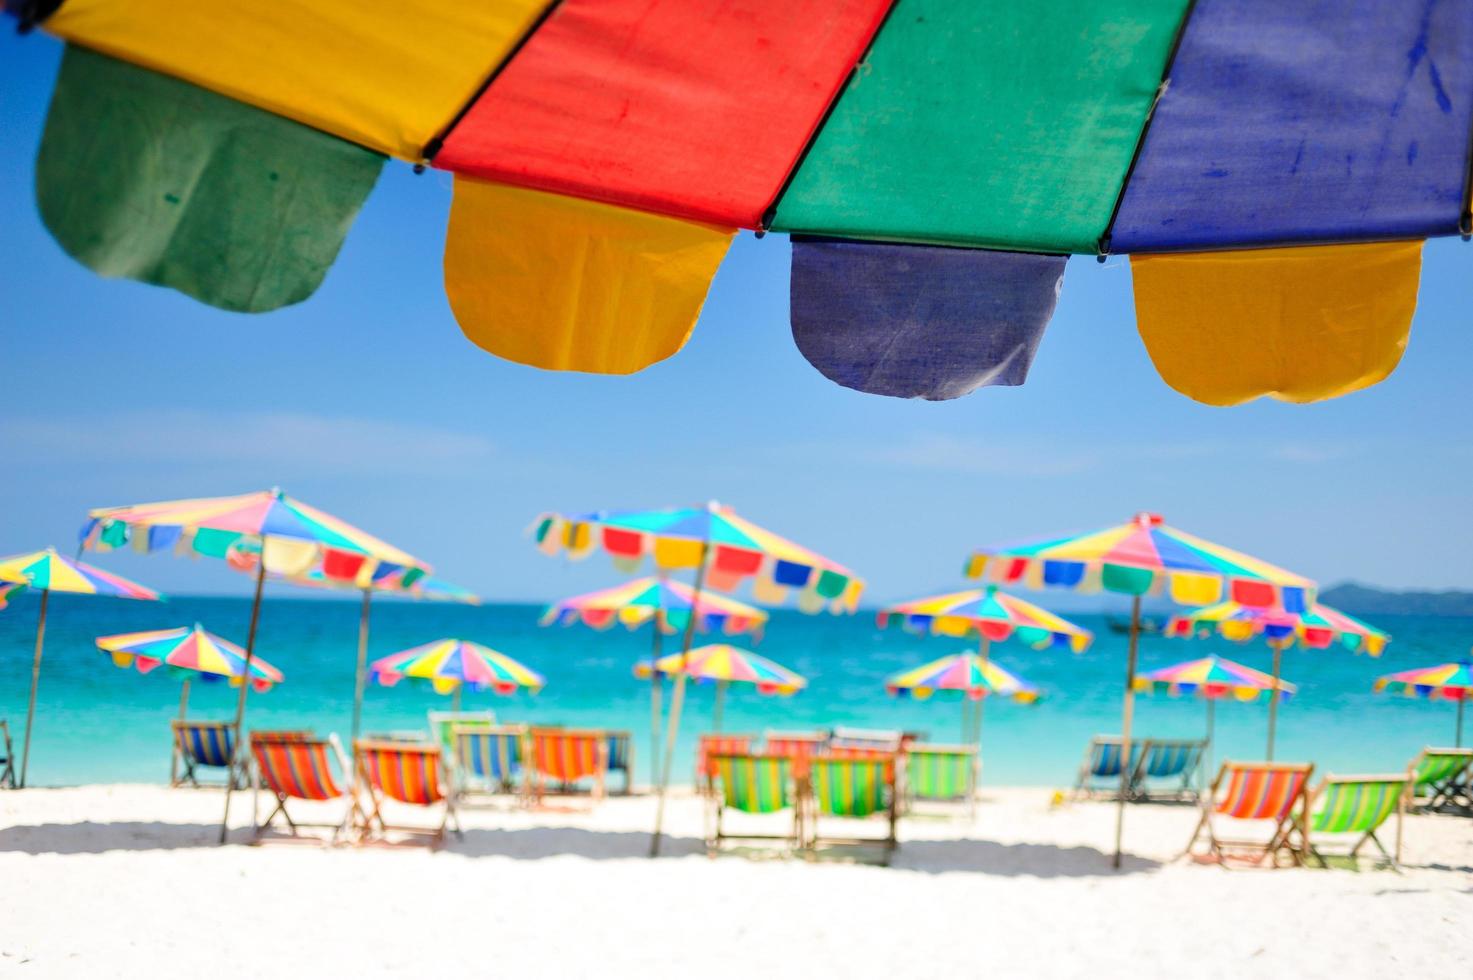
621 758
1358 805
1263 791
709 745
490 759
854 789
441 723
207 745
1442 780
879 739
7 758
942 774
1100 771
798 746
757 784
568 755
1176 760
296 766
404 773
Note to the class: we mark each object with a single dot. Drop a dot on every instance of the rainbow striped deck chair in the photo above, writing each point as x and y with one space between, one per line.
490 759
404 773
1100 771
1358 805
942 774
1263 791
1442 780
441 723
296 766
568 755
207 745
854 789
711 744
756 784
7 758
1174 759
621 758
798 746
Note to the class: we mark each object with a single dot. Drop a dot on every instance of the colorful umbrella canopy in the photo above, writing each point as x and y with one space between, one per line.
1236 149
450 664
722 662
1212 677
187 651
729 548
967 673
49 571
7 590
1316 628
1446 682
991 614
658 599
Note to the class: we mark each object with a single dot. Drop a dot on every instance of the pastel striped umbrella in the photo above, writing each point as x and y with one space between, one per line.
451 664
991 615
724 550
1446 682
1317 628
8 589
188 652
48 571
724 664
1144 556
971 674
265 531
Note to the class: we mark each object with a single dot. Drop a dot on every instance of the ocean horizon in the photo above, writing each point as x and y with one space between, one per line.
98 723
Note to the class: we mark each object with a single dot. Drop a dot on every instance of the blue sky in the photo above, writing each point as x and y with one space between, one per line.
368 402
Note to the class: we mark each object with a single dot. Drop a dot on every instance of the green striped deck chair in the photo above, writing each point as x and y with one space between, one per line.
854 789
1357 805
1442 779
942 774
749 783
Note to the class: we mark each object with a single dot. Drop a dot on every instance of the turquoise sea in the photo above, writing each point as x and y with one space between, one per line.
97 723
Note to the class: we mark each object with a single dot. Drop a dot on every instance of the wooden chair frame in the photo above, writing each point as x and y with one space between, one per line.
368 820
1455 791
809 818
1394 861
259 827
520 788
716 806
1290 835
7 757
237 774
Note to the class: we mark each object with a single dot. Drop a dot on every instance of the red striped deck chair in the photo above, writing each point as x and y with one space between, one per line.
1263 791
854 789
296 766
749 783
798 746
712 744
409 774
7 758
568 755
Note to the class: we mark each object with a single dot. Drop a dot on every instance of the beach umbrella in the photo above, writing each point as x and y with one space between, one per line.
725 550
723 664
973 676
449 665
992 616
1446 682
666 604
1142 557
264 531
8 589
1317 628
187 652
49 572
1214 678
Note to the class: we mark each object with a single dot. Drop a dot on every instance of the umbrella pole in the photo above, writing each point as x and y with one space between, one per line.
455 699
984 649
174 754
1203 771
360 674
677 699
25 756
1273 701
245 685
720 700
655 686
966 717
1458 741
1126 717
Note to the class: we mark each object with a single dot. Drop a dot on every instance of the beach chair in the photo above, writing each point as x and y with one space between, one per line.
7 758
942 774
296 766
1258 791
207 745
442 721
1442 780
410 774
709 745
490 760
854 789
1102 760
879 739
1358 805
621 758
1167 759
798 746
749 783
568 755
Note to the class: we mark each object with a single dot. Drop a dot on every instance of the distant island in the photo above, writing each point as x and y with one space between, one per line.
1368 600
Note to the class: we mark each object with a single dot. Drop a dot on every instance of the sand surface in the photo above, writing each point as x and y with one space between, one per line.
127 881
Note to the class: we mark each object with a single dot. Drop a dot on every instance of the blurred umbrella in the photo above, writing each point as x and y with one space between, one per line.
450 664
1213 678
970 674
722 664
1448 682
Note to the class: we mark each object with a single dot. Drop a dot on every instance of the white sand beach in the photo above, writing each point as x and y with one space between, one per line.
127 881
